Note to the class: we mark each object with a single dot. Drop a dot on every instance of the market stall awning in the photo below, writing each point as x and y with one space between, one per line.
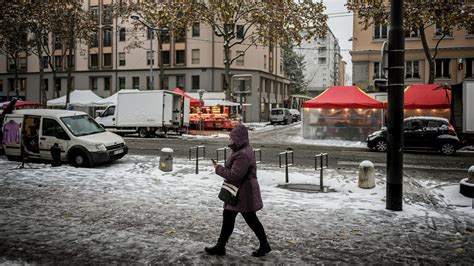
194 102
220 102
22 104
79 98
112 99
343 97
427 96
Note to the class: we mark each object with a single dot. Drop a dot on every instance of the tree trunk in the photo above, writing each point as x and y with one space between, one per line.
428 56
42 98
160 62
17 90
227 88
69 56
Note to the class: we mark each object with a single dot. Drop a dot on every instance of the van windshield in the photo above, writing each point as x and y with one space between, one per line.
277 112
81 125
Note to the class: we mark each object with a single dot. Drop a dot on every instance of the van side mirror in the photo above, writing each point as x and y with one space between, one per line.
62 135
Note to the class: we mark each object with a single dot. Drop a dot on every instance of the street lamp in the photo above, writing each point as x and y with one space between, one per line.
201 93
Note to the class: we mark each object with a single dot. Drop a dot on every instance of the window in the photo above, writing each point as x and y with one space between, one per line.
412 70
1 84
94 83
136 83
148 83
149 58
196 29
166 83
322 60
180 82
107 60
70 61
122 35
165 57
180 57
11 84
107 84
150 34
442 68
58 84
95 39
110 111
107 38
180 35
440 31
121 81
380 31
412 33
58 62
165 36
322 50
46 84
51 128
94 60
11 64
241 59
470 30
45 62
107 15
95 13
195 82
377 70
195 56
264 62
240 31
469 66
121 59
22 63
58 42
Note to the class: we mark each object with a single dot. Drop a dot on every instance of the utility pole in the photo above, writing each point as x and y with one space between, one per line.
396 67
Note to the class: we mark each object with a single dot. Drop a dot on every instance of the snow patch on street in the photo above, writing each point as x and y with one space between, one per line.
327 142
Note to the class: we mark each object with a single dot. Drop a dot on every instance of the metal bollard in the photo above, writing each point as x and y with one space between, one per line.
259 151
225 153
320 167
197 148
166 160
287 178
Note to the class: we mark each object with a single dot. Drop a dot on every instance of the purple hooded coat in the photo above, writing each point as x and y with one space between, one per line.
242 164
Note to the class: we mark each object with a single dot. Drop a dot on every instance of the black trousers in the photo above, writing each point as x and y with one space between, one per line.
250 218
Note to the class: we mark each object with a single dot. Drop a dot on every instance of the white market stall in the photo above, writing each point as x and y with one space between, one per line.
77 98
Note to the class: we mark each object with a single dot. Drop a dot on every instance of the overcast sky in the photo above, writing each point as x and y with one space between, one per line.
341 26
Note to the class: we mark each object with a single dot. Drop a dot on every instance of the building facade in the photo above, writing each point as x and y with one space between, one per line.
192 60
453 64
323 61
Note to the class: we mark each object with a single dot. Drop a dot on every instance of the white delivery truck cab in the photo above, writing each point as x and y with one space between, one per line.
83 142
146 113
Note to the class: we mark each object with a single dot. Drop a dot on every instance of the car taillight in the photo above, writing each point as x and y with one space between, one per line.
451 130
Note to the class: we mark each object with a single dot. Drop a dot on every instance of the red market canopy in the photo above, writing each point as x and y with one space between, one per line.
427 96
343 97
22 104
194 102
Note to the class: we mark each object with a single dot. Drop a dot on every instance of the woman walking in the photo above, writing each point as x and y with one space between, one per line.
241 171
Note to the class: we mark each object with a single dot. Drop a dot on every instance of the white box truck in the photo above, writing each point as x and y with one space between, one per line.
146 113
462 107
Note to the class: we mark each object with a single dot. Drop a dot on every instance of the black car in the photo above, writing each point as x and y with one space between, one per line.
423 133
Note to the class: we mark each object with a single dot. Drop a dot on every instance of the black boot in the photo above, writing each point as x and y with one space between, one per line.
262 250
218 249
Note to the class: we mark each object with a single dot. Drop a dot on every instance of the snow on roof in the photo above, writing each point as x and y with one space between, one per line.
82 98
427 117
48 112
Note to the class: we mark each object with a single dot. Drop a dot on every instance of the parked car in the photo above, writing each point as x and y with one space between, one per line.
421 133
295 114
280 115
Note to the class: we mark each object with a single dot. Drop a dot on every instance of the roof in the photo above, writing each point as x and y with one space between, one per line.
113 98
48 112
343 97
427 96
83 98
427 118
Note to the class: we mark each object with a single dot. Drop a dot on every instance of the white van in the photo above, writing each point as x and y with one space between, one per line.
280 115
83 142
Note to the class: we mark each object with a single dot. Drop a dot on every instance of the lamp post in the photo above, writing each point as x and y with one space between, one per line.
151 57
201 93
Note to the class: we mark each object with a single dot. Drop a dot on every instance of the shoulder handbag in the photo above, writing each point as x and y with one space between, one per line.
230 193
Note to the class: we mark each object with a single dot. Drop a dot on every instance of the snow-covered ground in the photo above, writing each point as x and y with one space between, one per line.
131 212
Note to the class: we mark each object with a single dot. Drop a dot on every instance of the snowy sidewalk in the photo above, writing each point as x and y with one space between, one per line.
131 212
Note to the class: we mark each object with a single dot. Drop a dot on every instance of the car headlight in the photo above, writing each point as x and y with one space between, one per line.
101 147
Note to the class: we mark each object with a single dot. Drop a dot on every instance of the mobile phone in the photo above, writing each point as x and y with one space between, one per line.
213 161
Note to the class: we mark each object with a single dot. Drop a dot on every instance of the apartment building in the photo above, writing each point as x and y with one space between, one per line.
323 61
192 60
453 64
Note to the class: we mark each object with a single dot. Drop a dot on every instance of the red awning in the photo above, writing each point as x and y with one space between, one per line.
427 96
22 104
194 102
343 97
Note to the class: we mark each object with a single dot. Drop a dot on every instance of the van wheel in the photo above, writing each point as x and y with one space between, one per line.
381 145
142 132
447 149
285 122
79 159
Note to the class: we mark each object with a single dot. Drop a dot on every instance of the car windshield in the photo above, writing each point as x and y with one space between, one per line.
277 112
82 125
